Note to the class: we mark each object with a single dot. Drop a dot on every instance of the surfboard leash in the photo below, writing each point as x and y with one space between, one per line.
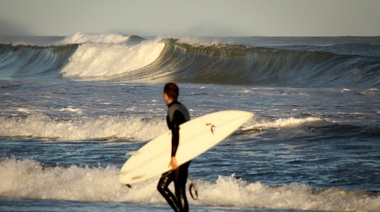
193 186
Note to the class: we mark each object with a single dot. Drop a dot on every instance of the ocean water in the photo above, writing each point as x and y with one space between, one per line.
71 108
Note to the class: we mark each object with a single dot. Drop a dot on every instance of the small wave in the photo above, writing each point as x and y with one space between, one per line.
100 129
31 179
297 196
256 124
106 128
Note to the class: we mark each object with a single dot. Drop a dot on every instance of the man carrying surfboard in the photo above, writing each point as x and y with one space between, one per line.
177 114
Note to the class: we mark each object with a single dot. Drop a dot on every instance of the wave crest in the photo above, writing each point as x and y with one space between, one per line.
79 38
92 61
237 64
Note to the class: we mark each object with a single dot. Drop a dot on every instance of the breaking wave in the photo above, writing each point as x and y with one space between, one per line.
132 58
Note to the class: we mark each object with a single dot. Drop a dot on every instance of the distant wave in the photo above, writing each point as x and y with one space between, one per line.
132 58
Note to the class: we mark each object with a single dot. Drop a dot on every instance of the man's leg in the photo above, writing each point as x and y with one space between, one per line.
162 187
180 186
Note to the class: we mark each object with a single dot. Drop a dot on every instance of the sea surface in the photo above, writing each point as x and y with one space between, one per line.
71 108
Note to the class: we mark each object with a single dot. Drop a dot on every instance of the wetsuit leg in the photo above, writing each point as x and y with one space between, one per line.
180 186
162 187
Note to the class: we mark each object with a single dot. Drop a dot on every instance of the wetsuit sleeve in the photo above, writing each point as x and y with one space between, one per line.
178 119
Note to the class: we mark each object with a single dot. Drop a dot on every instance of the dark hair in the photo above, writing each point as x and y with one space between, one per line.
172 90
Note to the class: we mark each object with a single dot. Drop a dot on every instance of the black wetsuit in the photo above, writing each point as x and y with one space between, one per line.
177 114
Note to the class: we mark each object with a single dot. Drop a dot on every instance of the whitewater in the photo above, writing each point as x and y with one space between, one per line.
71 108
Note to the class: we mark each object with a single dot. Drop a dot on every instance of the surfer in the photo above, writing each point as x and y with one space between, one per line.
176 115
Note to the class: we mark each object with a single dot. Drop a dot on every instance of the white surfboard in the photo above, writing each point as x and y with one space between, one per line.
196 136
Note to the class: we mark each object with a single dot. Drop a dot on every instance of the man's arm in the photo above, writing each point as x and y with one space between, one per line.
178 118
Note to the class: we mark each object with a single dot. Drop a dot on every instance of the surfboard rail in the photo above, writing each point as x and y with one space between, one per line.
196 136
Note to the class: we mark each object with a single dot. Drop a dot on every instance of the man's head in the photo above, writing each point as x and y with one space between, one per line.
171 92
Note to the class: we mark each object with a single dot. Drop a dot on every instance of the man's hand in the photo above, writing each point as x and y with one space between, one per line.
173 163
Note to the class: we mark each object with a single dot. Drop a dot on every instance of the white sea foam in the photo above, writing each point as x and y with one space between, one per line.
23 110
78 38
97 60
71 109
30 179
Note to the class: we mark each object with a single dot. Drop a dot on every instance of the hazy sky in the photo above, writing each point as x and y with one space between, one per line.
192 17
